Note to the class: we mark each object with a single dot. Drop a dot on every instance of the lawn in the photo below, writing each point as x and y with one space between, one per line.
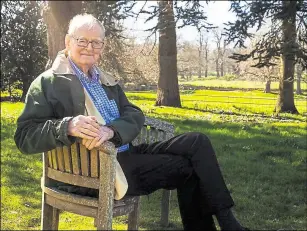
222 83
262 156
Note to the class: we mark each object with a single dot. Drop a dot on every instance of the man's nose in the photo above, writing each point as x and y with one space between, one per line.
90 45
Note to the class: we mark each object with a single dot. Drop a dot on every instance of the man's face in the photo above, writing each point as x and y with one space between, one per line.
85 46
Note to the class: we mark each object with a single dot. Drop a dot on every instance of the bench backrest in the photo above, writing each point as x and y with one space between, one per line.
79 166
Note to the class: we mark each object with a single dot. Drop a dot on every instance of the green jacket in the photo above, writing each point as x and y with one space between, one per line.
55 97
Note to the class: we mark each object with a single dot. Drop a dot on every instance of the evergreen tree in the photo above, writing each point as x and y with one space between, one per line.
23 47
172 15
286 38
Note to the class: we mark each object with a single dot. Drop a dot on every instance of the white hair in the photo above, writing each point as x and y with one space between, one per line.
81 20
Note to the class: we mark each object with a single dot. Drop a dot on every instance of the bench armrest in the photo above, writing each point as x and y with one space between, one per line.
159 124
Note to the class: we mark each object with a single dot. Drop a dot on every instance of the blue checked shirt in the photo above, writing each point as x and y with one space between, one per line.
107 108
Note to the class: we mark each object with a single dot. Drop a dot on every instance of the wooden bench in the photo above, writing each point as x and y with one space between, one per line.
79 166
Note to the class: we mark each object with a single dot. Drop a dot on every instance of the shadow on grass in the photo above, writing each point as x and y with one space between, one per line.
193 87
242 112
253 115
266 140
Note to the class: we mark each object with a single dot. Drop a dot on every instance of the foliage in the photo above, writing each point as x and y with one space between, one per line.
286 38
23 45
271 45
188 13
112 13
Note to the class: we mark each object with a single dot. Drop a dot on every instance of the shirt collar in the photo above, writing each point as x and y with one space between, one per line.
61 66
93 71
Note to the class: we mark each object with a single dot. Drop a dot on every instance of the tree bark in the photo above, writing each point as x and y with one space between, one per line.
168 89
299 71
56 15
285 100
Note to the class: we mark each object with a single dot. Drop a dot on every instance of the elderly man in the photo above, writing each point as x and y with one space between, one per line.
54 116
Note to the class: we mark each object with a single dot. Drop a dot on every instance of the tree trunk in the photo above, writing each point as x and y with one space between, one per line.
267 88
200 53
223 57
56 15
299 71
206 59
199 66
222 67
168 89
285 100
217 67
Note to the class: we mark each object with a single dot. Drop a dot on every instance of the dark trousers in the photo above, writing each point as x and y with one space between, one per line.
187 163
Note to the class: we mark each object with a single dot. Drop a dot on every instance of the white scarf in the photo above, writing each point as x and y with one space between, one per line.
121 185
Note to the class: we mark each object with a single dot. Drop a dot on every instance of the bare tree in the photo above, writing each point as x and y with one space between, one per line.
200 53
206 48
218 39
222 57
203 50
188 59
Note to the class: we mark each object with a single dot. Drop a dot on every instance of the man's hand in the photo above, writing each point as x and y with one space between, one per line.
105 134
85 127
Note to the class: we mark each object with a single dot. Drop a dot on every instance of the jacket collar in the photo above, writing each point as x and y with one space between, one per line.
62 66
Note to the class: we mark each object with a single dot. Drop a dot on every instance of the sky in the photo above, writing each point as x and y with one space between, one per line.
217 13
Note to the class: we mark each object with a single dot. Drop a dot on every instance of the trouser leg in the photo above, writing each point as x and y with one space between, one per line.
147 171
193 207
197 148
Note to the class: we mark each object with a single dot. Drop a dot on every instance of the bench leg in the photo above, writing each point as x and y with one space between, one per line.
165 205
133 217
50 217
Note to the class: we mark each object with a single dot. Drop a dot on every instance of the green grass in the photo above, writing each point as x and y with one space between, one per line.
241 103
263 159
237 84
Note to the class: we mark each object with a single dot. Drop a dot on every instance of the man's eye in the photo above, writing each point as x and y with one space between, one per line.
96 42
82 41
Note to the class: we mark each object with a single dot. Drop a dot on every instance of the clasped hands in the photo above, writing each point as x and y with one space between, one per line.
87 128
